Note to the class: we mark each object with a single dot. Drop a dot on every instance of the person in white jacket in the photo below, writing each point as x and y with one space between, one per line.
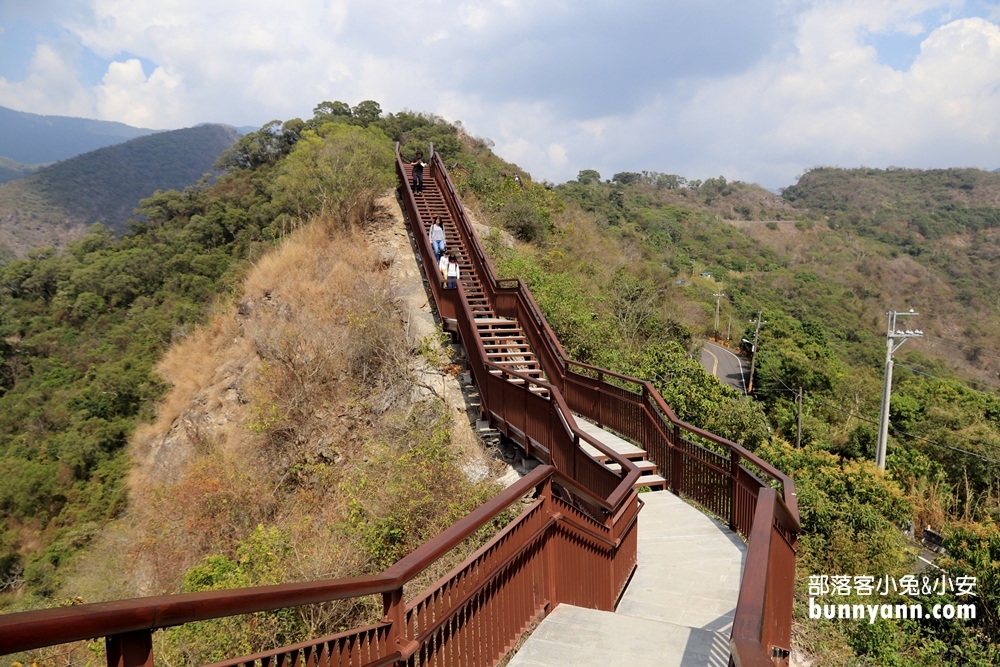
451 273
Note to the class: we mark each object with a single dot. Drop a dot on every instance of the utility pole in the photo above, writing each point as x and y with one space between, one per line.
718 298
753 350
798 430
892 335
729 329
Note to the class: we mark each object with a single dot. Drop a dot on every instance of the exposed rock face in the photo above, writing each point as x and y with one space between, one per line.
437 373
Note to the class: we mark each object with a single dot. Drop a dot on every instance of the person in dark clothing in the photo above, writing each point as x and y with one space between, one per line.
418 173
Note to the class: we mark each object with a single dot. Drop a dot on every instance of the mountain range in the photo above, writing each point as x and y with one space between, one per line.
33 139
54 203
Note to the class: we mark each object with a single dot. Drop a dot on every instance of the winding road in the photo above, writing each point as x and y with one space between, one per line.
725 365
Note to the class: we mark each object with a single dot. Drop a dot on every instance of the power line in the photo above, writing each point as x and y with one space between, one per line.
957 343
950 381
895 430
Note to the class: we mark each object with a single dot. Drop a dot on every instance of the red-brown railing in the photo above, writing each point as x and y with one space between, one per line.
478 610
723 477
544 426
575 543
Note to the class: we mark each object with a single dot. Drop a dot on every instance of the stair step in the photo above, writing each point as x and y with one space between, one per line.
504 340
652 481
644 467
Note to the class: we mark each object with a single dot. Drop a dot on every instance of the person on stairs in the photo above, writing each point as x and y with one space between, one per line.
436 236
443 268
418 173
452 272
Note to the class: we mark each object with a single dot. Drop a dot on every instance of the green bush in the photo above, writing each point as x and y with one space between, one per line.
338 170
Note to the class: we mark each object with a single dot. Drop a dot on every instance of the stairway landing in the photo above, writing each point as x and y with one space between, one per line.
677 610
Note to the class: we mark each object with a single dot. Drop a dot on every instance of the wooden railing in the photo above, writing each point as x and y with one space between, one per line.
544 426
722 476
575 543
477 610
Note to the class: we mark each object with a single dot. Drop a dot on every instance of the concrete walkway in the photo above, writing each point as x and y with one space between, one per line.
677 610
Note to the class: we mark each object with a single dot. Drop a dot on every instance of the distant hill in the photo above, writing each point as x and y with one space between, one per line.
33 139
57 202
10 170
895 203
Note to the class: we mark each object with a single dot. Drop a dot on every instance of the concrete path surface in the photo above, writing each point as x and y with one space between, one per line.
677 610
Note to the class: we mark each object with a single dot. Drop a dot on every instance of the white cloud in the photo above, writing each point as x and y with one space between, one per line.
128 95
756 90
846 108
51 86
557 155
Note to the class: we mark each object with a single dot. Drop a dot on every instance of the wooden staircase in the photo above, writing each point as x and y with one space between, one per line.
503 338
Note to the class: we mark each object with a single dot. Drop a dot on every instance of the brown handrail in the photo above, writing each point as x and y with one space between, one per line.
33 629
787 483
557 365
463 314
754 630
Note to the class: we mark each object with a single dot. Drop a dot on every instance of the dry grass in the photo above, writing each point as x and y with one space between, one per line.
295 410
286 378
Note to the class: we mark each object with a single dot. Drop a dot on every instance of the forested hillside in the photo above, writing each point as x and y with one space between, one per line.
11 170
56 203
284 435
626 269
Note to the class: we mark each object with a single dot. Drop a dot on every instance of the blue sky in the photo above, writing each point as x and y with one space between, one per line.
757 90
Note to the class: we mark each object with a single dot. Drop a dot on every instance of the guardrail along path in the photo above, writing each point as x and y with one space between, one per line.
576 544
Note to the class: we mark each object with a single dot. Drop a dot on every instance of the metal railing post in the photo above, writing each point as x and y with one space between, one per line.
551 587
393 613
675 461
734 471
130 649
600 403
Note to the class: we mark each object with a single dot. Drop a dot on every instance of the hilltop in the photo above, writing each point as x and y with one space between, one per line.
11 170
57 202
34 139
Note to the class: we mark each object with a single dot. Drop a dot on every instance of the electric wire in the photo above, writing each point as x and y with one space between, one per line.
949 381
994 354
895 430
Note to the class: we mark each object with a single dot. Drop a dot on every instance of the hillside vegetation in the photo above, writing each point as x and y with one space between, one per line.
627 270
617 265
282 431
56 203
34 139
11 170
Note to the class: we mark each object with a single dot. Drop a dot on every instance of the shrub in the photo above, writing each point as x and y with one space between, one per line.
522 219
337 171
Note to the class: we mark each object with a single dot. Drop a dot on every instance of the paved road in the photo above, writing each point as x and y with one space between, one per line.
725 365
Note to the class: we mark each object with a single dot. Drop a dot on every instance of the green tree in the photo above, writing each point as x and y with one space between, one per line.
367 112
325 109
338 171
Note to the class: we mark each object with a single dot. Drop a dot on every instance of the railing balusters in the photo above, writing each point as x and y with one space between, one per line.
554 552
130 649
